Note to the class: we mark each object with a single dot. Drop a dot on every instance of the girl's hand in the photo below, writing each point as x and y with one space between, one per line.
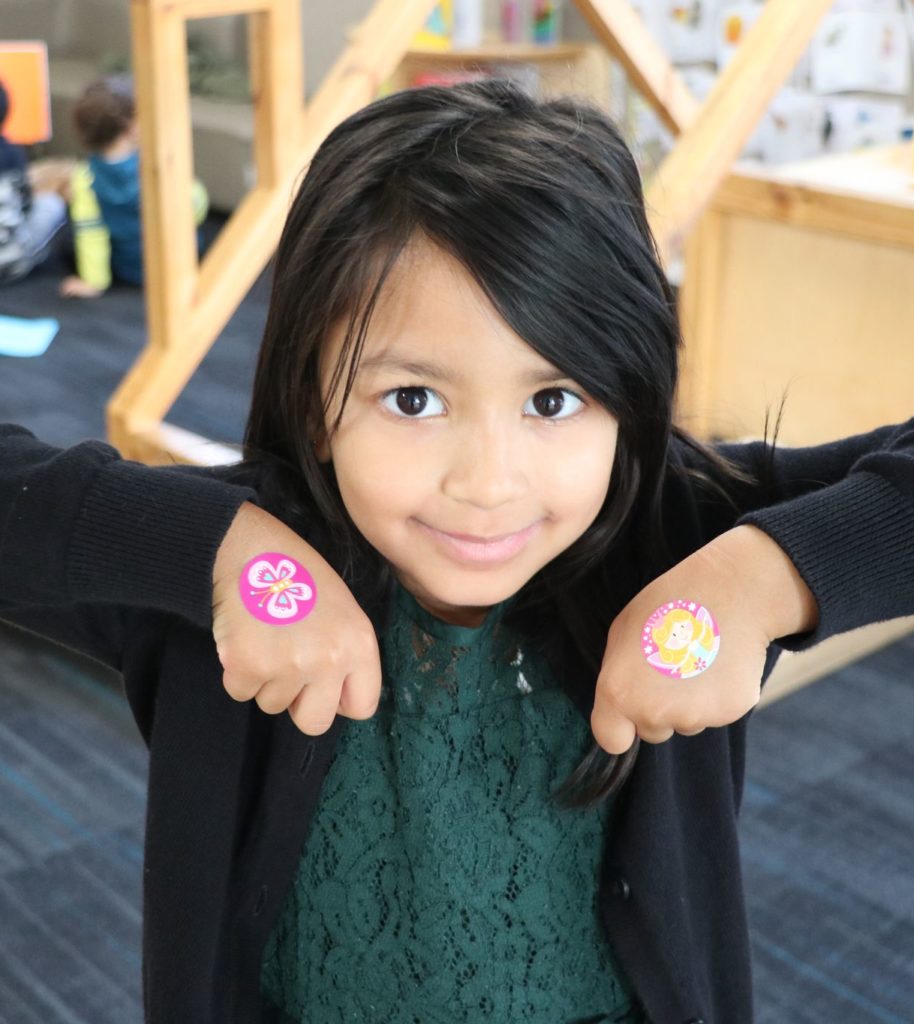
755 595
322 665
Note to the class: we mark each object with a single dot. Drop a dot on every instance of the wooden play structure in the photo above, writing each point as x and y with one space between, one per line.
189 304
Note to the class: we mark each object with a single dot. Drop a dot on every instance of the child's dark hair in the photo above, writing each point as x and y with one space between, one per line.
104 111
542 203
4 104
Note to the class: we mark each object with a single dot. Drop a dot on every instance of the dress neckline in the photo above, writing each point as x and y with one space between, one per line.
464 636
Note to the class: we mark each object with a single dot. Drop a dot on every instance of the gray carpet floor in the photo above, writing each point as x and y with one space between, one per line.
827 827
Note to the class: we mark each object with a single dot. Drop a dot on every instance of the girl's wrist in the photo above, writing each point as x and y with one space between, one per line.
785 603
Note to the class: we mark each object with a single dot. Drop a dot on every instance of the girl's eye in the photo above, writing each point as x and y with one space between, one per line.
414 403
553 404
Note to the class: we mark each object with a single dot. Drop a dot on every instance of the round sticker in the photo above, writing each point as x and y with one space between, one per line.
277 589
680 639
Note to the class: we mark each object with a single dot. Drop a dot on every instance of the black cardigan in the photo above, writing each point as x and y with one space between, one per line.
114 559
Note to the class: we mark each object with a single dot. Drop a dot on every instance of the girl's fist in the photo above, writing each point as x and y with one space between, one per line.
315 667
754 594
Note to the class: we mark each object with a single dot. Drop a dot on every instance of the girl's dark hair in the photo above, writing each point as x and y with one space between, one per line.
542 204
104 111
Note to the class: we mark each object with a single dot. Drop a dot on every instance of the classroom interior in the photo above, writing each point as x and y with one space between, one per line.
775 143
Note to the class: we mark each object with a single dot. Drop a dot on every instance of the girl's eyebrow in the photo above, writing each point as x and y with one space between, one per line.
435 371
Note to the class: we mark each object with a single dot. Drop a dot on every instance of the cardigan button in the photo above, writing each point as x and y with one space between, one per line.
621 888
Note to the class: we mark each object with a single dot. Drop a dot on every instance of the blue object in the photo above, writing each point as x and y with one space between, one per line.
20 337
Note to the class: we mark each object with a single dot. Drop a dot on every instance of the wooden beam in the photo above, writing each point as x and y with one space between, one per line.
169 233
375 48
622 31
707 149
278 88
189 9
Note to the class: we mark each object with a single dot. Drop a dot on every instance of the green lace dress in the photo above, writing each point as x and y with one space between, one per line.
439 883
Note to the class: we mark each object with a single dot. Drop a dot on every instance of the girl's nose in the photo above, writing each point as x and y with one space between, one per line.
485 468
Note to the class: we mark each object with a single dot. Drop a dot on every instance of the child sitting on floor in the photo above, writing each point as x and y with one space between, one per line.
29 218
105 191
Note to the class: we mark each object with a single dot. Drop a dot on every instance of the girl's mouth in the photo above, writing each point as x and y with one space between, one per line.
463 547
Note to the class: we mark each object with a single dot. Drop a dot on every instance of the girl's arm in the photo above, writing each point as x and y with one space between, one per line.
85 536
843 514
828 547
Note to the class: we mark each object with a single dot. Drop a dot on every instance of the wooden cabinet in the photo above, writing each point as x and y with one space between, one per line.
803 276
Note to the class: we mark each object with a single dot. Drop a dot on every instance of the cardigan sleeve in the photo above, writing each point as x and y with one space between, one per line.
86 536
843 512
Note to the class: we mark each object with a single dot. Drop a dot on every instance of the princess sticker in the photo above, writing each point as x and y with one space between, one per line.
680 639
277 589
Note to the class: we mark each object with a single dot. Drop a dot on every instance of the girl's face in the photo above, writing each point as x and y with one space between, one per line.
680 636
465 458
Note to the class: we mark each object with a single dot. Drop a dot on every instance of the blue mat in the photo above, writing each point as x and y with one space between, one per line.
25 338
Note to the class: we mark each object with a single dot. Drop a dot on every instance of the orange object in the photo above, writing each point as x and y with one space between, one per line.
733 29
24 73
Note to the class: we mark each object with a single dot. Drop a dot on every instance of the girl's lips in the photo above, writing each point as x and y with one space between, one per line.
465 548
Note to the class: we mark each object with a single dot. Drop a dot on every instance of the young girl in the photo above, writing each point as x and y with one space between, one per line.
462 498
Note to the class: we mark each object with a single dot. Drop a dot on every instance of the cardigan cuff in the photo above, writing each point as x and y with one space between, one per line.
853 544
148 537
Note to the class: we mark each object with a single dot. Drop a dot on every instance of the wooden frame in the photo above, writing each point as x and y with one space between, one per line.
188 304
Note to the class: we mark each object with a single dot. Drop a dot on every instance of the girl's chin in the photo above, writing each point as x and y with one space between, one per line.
464 606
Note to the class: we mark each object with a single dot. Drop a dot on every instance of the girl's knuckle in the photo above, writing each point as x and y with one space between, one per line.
334 657
271 703
234 690
310 722
692 723
299 660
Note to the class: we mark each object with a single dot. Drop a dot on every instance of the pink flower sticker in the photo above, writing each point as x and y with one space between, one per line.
680 639
277 589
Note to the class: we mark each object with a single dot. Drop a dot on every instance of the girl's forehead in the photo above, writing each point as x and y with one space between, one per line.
431 311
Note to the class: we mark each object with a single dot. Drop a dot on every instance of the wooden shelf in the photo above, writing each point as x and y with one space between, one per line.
497 53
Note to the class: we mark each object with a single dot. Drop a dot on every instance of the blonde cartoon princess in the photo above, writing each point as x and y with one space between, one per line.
681 639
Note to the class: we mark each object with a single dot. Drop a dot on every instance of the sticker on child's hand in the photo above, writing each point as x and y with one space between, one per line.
277 589
680 639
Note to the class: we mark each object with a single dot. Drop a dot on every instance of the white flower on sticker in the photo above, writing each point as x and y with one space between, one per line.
276 584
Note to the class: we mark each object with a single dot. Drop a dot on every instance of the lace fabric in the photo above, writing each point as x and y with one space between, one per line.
439 882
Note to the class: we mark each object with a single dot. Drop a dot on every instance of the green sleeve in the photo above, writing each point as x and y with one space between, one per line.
90 236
